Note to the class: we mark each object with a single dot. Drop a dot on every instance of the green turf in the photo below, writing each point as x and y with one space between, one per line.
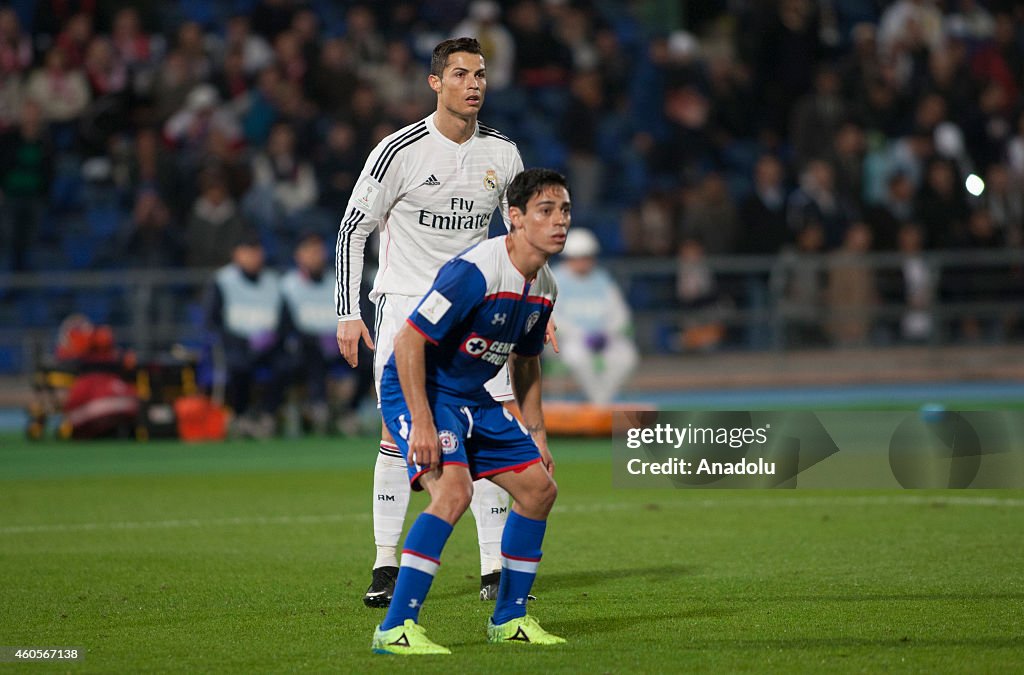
252 557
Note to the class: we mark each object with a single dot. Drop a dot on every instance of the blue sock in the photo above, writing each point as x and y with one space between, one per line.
520 556
421 557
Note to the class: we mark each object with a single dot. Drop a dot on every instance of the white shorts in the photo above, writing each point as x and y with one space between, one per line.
392 311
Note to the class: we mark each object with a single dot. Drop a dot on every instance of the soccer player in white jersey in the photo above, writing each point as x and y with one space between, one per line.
431 188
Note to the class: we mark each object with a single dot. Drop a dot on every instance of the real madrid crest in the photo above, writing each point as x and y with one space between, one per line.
491 180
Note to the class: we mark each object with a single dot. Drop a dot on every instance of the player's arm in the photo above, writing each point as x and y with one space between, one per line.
367 208
526 384
410 361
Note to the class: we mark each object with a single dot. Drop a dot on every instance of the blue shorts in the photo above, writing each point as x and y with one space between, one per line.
485 438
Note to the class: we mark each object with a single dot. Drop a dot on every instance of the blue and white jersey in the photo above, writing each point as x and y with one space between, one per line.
478 311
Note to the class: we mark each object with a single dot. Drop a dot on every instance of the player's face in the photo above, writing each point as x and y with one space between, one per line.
546 220
460 89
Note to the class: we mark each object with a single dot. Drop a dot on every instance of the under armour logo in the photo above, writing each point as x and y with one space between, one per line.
432 180
414 603
519 601
499 319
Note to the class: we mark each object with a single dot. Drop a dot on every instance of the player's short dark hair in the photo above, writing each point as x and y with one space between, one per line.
439 59
532 182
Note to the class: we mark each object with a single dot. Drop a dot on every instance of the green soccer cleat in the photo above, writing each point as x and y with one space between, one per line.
409 639
523 629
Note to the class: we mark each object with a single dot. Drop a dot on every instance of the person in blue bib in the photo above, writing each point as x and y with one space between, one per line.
488 305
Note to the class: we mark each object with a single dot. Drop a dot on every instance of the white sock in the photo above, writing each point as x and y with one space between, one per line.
390 501
490 509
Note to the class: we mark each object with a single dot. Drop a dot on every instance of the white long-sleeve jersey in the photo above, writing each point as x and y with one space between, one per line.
431 197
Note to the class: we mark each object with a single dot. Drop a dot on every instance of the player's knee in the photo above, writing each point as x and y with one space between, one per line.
453 501
542 498
548 495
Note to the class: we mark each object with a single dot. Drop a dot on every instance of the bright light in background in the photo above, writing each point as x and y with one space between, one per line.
975 185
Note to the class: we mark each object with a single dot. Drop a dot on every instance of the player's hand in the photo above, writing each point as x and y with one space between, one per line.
547 460
349 334
424 446
549 334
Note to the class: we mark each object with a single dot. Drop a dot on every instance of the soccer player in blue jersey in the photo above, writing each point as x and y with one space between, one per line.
488 305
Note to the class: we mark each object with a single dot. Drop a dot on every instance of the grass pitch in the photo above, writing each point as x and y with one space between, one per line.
253 557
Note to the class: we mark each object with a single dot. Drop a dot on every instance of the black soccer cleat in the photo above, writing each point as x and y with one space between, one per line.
489 587
383 587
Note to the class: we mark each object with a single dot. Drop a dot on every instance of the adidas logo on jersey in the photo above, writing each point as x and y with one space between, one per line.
432 180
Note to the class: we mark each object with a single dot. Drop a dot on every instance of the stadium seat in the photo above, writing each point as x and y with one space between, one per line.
96 303
33 312
80 250
103 222
11 358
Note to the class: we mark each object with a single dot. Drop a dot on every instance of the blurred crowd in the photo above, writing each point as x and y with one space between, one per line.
153 134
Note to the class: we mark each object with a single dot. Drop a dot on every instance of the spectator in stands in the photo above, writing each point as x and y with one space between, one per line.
915 287
541 60
306 28
941 205
191 46
594 322
847 159
264 106
699 298
26 169
979 284
711 218
244 309
284 188
817 116
152 240
11 96
851 296
256 52
108 83
136 49
289 57
74 39
1004 201
62 93
762 214
648 229
15 44
312 325
763 231
580 129
232 81
270 17
896 210
338 164
483 21
362 35
816 202
214 223
332 79
399 82
798 280
189 130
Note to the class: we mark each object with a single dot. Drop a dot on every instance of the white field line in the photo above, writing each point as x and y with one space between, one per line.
594 507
